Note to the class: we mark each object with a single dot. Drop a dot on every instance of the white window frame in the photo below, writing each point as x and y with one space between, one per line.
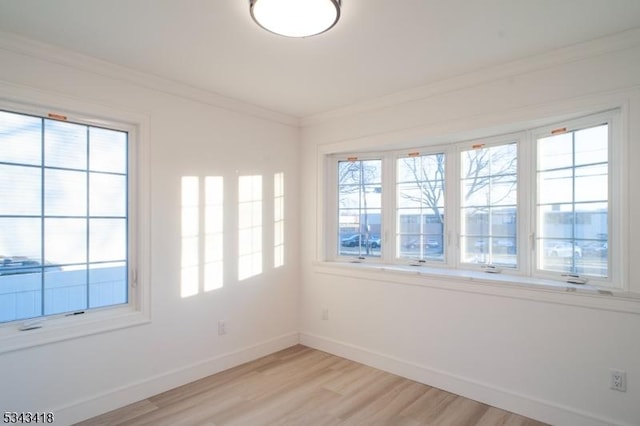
448 256
519 138
332 186
615 269
526 205
136 311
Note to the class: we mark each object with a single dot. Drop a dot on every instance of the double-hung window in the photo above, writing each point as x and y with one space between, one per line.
537 203
64 221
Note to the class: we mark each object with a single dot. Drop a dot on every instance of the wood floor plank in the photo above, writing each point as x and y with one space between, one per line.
306 387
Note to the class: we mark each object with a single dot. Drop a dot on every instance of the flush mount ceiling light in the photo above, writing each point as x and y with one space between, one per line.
295 18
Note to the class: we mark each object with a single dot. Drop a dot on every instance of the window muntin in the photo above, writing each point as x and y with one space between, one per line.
359 207
64 245
573 201
488 185
420 204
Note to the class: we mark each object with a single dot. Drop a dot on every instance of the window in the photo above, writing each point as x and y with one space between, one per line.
420 206
535 203
573 201
489 211
359 207
64 215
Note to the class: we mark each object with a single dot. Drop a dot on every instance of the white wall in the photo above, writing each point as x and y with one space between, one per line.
86 376
531 352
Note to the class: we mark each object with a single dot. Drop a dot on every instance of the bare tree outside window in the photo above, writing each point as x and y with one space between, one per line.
489 205
420 206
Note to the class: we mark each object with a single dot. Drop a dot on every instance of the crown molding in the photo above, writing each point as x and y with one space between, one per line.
57 55
600 46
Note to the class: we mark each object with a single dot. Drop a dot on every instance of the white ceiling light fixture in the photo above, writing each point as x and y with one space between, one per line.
295 18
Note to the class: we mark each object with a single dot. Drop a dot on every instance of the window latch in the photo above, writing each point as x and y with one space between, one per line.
491 269
31 324
419 262
575 279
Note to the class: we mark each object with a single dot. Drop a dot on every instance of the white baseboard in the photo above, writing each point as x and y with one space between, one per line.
133 392
541 410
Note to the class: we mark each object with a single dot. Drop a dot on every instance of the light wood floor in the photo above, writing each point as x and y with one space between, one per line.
307 387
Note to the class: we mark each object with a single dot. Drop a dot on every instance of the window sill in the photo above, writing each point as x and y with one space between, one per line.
61 328
518 287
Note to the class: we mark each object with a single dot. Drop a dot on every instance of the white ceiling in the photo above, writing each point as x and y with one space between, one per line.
379 47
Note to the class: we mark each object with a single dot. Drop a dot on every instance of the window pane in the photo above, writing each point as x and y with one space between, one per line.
107 195
20 138
572 213
592 183
555 152
20 296
555 187
65 290
65 193
592 145
107 150
107 240
490 236
420 207
476 249
65 241
65 145
489 206
21 190
107 284
359 204
20 237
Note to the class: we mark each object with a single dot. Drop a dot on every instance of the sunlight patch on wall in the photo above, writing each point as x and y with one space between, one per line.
214 212
190 258
249 226
202 235
278 220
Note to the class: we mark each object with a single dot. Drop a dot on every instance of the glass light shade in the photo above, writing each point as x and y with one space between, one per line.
295 18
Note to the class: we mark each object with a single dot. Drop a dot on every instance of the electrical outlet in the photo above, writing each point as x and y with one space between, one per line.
325 313
619 380
222 327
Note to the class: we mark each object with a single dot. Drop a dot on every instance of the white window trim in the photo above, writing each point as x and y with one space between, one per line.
519 139
447 235
137 311
617 189
332 183
526 273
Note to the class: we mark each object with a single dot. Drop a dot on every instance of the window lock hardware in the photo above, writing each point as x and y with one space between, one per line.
419 262
575 279
31 325
491 269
